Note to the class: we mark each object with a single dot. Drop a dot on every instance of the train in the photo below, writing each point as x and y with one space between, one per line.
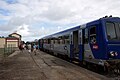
96 42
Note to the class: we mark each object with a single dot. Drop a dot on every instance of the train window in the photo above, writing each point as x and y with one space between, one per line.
80 37
111 32
40 41
92 32
56 41
67 41
60 37
71 39
44 41
49 41
117 26
61 41
52 41
86 36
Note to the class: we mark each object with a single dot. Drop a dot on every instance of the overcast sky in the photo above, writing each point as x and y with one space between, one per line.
36 18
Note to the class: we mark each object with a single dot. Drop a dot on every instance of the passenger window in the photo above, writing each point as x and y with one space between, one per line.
41 41
48 41
61 41
58 41
66 39
44 41
111 32
71 39
86 36
52 41
117 26
92 32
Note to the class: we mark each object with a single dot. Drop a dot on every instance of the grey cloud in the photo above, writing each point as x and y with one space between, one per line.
59 12
14 23
5 28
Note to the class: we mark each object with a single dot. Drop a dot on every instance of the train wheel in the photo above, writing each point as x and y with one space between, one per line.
84 63
55 54
81 63
89 66
116 72
71 60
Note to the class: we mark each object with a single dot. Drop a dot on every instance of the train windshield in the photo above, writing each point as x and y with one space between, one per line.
113 31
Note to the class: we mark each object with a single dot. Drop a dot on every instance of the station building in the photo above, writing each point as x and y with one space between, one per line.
2 42
13 40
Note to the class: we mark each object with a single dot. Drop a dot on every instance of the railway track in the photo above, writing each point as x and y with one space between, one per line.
112 73
45 64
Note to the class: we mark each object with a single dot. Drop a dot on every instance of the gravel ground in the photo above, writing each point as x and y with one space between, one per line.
27 66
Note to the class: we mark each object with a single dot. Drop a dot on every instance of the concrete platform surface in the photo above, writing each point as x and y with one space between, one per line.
27 66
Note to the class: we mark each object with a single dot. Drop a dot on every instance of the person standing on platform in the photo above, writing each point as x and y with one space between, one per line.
21 47
34 49
29 48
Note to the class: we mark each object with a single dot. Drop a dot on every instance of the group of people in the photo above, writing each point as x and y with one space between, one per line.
32 48
29 47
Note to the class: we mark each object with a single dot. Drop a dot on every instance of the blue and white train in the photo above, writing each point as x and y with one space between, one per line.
96 42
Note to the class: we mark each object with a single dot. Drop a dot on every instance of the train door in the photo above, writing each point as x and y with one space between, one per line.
80 39
87 48
91 43
75 44
71 45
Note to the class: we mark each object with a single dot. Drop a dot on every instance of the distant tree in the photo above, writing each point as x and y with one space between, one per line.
27 42
10 35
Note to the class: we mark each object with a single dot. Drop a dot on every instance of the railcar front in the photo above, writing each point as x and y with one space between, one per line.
112 36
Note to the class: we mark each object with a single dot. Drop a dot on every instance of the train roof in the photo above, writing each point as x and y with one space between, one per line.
64 31
81 26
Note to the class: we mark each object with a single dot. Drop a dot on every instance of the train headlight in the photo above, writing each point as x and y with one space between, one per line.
116 53
112 53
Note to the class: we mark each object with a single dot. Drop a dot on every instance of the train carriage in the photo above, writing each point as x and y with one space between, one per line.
96 42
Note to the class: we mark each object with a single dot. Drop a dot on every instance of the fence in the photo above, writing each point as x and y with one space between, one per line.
5 51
